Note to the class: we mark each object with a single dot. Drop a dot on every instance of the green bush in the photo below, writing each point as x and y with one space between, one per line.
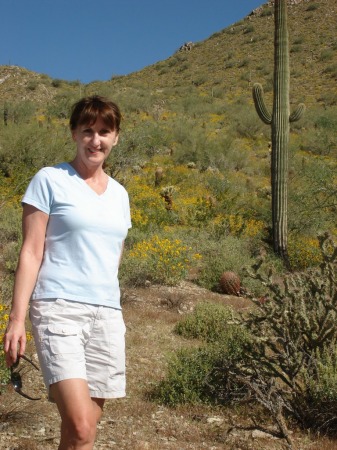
198 375
203 374
56 82
249 29
322 387
32 85
209 322
312 7
312 196
331 70
268 11
326 55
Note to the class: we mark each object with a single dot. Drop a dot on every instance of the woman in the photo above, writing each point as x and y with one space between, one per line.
75 220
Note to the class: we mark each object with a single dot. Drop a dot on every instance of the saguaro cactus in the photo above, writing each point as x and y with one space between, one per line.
279 121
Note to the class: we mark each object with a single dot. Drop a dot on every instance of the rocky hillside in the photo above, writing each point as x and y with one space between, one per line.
227 63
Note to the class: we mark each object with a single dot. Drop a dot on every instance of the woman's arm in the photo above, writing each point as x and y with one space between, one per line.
34 224
121 254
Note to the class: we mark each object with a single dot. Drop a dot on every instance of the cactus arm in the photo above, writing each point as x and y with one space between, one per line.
260 105
298 113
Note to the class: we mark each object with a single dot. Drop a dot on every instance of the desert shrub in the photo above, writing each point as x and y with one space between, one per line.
56 82
303 252
61 104
10 238
295 49
6 287
20 112
298 40
199 375
325 369
269 11
10 219
147 206
331 70
326 55
10 255
320 136
238 225
202 374
30 147
312 7
208 322
243 63
158 260
312 195
32 85
249 29
248 125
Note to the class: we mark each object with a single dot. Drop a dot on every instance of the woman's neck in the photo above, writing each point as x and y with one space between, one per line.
88 172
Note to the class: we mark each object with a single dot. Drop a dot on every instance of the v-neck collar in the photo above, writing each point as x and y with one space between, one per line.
82 180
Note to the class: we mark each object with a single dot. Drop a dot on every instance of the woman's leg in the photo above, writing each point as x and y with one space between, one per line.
79 414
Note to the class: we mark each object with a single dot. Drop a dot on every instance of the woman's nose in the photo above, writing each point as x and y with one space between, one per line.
95 139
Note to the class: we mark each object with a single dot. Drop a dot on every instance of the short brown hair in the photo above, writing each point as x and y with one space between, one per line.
87 110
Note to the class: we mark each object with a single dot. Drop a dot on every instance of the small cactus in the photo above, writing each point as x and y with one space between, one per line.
159 173
230 283
167 194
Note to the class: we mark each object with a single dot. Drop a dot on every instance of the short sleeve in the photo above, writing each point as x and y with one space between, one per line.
39 192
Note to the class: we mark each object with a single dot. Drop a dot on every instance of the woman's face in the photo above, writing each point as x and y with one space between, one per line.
94 142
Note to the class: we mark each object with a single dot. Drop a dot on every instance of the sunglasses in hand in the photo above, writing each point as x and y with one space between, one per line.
16 379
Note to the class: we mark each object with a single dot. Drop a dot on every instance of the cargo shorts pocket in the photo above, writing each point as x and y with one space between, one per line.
63 339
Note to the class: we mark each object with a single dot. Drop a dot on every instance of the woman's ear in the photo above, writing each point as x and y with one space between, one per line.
116 140
73 135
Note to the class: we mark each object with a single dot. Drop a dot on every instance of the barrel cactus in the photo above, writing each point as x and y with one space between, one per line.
279 120
230 283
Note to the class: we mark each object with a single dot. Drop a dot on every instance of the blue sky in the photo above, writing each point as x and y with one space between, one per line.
93 40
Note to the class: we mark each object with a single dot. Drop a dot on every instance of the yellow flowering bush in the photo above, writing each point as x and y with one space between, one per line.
158 260
139 219
254 228
3 320
237 225
147 206
303 252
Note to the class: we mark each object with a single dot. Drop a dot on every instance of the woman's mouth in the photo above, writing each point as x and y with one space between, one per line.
94 151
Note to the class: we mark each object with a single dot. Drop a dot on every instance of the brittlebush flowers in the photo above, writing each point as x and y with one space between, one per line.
164 260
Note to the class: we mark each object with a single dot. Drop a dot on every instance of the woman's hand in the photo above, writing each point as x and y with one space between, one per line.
14 341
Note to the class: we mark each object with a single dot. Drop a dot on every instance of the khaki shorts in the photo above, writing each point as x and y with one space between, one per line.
77 340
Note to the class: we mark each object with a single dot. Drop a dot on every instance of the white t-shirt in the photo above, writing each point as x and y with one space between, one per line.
84 236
